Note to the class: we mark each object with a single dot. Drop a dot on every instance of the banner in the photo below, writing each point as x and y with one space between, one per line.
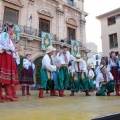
74 47
46 40
16 36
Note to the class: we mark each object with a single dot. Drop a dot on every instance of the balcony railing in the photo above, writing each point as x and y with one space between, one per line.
28 30
72 3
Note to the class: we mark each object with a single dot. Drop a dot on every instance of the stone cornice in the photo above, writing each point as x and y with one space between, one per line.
14 3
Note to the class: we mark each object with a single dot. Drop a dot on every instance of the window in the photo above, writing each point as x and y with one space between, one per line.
111 20
44 25
71 2
113 40
11 15
71 33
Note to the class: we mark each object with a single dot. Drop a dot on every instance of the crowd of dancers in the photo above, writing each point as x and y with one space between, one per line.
55 71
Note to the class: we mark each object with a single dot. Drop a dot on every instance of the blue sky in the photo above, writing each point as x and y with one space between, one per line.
95 8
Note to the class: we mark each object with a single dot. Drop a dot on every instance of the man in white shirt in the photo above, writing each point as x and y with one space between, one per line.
104 82
47 81
80 81
62 73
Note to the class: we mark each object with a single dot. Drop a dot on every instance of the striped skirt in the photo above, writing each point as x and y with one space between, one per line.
27 76
8 71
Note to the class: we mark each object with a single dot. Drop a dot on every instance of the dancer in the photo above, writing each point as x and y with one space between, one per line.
114 71
104 82
104 61
90 76
27 74
62 73
8 71
47 80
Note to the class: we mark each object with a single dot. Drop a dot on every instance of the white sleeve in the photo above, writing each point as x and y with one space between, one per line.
98 79
84 66
33 66
0 46
110 76
93 74
17 60
97 71
72 68
25 64
48 65
109 68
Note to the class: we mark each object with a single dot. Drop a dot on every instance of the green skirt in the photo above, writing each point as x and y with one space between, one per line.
109 87
62 78
75 86
84 83
46 84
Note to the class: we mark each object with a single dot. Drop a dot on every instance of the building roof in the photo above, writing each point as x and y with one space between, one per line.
108 13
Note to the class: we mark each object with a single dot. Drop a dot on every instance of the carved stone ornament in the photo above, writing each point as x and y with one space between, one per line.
15 2
72 21
45 12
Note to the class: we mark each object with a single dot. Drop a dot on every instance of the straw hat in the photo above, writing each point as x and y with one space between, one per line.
89 65
50 49
102 67
78 58
28 53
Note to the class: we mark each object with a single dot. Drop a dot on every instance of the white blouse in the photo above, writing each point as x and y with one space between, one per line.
82 66
5 42
62 57
90 74
46 62
27 64
100 78
112 63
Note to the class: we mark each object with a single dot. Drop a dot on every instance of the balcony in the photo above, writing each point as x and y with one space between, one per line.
72 3
28 31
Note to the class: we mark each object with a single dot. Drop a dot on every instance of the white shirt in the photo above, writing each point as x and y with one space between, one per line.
82 66
6 43
90 74
62 57
112 63
46 62
100 78
27 64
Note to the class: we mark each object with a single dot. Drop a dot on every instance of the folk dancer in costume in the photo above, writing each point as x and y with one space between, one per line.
47 80
27 74
90 75
118 62
8 71
62 72
80 68
104 82
114 71
104 61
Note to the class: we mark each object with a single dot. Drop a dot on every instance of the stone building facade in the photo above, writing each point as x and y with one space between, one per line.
64 19
110 28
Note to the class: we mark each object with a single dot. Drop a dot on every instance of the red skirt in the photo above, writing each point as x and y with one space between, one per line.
26 77
114 72
8 71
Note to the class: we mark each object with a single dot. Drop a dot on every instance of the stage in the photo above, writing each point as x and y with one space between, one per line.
79 107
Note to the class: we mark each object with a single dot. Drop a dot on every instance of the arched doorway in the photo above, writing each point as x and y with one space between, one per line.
38 64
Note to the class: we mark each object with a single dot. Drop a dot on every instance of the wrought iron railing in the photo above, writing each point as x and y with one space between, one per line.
28 30
72 3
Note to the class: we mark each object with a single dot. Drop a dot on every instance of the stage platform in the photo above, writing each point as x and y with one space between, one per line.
78 107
